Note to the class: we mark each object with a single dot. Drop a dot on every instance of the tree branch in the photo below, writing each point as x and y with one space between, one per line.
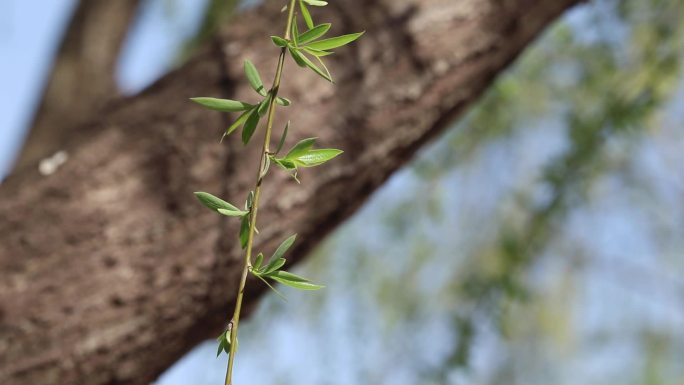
112 271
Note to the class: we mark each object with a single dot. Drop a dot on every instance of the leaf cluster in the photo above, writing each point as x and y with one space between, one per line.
273 271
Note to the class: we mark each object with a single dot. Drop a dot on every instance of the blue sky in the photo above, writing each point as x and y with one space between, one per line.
28 38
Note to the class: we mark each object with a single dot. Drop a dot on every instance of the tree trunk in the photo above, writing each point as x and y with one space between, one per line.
82 78
112 270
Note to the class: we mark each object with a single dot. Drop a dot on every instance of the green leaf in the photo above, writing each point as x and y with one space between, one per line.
263 106
214 203
254 78
282 138
316 3
298 57
316 157
284 163
250 127
317 53
306 14
239 122
323 73
224 343
314 33
249 201
295 32
329 77
284 247
223 105
273 266
258 262
283 101
334 42
233 213
244 231
271 287
302 147
279 41
294 281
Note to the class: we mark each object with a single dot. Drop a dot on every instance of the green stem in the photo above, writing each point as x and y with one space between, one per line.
255 205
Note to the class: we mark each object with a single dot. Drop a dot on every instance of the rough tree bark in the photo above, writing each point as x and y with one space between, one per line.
111 270
83 70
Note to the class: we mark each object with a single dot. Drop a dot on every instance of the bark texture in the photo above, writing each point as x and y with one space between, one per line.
83 70
112 271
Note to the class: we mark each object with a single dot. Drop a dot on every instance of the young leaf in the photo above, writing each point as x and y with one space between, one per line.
273 266
323 73
233 213
316 157
295 33
316 3
317 53
223 105
263 106
294 281
266 167
250 127
254 78
284 163
334 42
298 57
244 231
224 343
283 101
282 138
329 77
239 122
301 148
259 260
283 247
279 41
270 286
314 33
214 203
306 14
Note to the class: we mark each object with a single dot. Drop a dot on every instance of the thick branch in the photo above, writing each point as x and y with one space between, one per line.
82 78
111 270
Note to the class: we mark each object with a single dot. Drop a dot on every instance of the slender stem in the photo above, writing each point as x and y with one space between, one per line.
257 194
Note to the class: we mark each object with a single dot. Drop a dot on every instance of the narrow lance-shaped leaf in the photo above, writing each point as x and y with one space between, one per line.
214 202
239 122
334 42
233 213
306 14
294 281
323 73
254 78
316 157
316 53
298 57
301 148
263 106
273 265
314 33
250 127
281 143
295 33
244 231
316 3
279 41
259 260
283 101
284 246
223 105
